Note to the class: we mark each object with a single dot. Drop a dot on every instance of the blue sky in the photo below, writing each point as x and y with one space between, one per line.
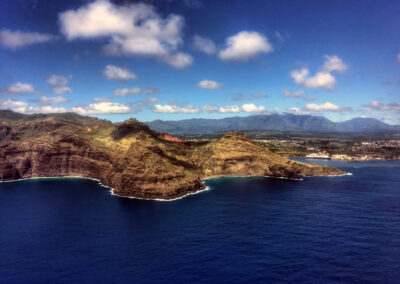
201 59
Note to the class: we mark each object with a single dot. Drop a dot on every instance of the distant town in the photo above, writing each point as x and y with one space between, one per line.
327 146
336 150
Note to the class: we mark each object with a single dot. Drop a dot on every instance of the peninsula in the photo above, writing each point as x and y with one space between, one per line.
129 157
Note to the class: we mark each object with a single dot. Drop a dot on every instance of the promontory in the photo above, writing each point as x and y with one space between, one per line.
130 157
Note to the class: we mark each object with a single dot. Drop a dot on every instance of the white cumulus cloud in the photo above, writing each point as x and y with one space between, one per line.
16 39
204 44
24 107
229 109
209 84
131 29
245 45
333 63
319 108
326 107
59 84
102 108
322 107
115 73
175 109
178 60
20 88
323 79
300 75
252 108
47 109
13 104
299 111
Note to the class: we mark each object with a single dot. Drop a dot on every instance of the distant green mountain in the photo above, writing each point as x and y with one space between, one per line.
273 122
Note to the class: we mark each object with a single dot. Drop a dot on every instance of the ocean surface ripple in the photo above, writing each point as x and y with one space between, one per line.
318 230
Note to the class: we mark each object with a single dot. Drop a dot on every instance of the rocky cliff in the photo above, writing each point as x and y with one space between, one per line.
129 157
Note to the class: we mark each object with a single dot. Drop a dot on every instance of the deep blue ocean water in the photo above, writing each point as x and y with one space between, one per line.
318 230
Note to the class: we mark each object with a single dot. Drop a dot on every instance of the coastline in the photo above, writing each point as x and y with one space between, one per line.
205 188
354 160
110 188
286 178
160 199
247 176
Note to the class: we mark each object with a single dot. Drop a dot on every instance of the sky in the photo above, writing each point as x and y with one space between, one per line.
181 59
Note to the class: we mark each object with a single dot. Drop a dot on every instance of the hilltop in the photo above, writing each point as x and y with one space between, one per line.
130 157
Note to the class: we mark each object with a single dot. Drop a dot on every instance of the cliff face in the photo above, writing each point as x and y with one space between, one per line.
236 154
129 157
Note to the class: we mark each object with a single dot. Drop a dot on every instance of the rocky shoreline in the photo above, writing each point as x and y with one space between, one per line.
132 159
198 190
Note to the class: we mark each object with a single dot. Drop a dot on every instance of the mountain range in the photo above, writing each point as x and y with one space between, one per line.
273 122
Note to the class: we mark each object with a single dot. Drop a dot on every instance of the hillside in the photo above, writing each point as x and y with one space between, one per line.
274 122
130 157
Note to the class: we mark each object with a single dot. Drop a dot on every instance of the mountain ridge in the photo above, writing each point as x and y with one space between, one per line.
273 122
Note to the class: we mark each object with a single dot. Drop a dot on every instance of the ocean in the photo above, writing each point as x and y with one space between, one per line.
318 230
